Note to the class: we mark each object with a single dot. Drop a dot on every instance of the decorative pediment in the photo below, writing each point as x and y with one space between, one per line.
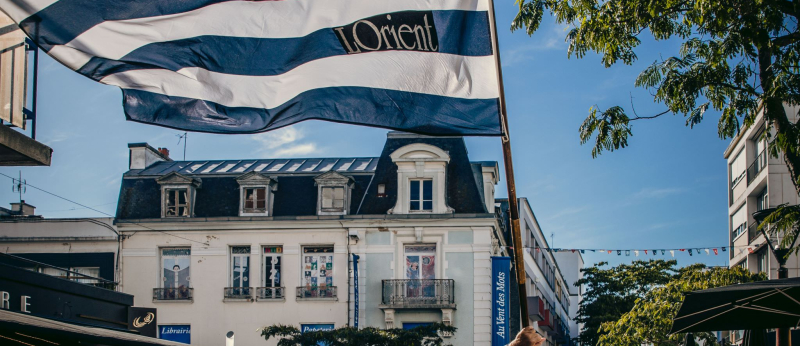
254 178
176 178
332 178
420 152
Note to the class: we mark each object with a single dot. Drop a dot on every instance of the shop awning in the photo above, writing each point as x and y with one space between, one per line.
23 329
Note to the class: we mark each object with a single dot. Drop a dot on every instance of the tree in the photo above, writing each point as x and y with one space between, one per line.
737 57
348 336
611 292
650 319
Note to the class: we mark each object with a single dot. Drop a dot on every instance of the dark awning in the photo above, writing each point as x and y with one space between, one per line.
756 305
32 330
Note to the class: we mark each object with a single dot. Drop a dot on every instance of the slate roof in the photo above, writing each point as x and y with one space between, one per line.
296 195
265 166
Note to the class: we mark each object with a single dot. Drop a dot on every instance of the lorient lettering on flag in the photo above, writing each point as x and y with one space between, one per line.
424 66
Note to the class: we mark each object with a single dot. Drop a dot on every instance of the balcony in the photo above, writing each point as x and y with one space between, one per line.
270 293
182 294
546 324
316 293
418 294
536 308
757 166
238 294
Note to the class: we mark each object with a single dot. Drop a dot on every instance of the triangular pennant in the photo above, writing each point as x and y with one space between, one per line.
636 252
573 250
582 251
672 252
609 252
645 252
627 252
723 249
749 249
682 249
690 252
715 252
707 253
619 252
655 252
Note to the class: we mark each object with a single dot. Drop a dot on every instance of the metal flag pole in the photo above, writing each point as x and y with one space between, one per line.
519 262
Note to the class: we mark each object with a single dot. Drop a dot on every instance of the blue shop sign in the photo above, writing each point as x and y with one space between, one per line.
177 333
501 275
304 328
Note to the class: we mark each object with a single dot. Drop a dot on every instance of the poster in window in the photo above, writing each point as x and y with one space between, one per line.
176 268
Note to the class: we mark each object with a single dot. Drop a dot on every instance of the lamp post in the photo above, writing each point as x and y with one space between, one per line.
782 335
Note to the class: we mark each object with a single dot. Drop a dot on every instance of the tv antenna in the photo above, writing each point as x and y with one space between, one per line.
19 185
183 137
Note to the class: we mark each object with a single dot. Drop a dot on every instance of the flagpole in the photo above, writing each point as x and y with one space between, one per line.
512 189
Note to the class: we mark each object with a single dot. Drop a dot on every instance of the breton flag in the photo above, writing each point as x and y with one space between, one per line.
229 66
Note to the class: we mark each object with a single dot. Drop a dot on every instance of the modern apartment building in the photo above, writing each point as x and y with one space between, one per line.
553 299
398 240
756 181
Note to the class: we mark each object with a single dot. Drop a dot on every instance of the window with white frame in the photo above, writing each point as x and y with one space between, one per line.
240 266
421 179
739 222
175 273
334 193
762 200
177 194
317 278
272 266
256 192
420 195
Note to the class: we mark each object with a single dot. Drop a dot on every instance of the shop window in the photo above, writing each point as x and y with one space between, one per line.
317 279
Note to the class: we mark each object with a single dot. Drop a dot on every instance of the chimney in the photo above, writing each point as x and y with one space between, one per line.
23 209
142 155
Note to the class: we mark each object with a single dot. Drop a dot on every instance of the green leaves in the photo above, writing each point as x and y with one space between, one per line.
611 127
650 318
348 336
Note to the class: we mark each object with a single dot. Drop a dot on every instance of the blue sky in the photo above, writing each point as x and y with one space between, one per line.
667 190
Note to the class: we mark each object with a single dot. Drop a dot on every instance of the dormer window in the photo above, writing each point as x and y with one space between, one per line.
178 195
421 179
177 202
421 195
256 191
255 200
333 192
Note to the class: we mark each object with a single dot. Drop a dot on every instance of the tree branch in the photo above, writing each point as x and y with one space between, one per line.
786 40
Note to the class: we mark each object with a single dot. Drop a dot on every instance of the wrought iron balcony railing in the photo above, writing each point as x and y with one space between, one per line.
238 293
410 293
270 293
182 293
317 292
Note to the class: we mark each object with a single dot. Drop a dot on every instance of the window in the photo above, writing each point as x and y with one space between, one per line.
420 271
421 195
177 202
177 194
332 198
762 201
334 193
317 279
175 269
255 200
271 275
739 222
255 194
761 259
737 169
240 266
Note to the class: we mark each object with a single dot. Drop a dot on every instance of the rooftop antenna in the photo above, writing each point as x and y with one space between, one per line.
19 185
185 138
552 239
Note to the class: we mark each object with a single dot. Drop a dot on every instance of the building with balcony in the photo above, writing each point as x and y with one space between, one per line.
756 181
553 299
395 241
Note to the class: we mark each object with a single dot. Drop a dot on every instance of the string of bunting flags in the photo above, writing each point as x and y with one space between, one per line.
655 252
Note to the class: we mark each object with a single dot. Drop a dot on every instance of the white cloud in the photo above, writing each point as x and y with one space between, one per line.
553 39
285 142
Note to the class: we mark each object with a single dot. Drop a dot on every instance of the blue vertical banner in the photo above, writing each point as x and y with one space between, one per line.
355 290
501 275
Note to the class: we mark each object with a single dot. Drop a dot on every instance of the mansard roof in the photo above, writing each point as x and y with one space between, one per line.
296 190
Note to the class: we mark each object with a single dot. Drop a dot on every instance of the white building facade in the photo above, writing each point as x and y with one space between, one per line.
553 298
756 182
237 245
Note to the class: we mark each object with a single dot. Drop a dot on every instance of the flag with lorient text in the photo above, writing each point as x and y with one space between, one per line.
220 66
